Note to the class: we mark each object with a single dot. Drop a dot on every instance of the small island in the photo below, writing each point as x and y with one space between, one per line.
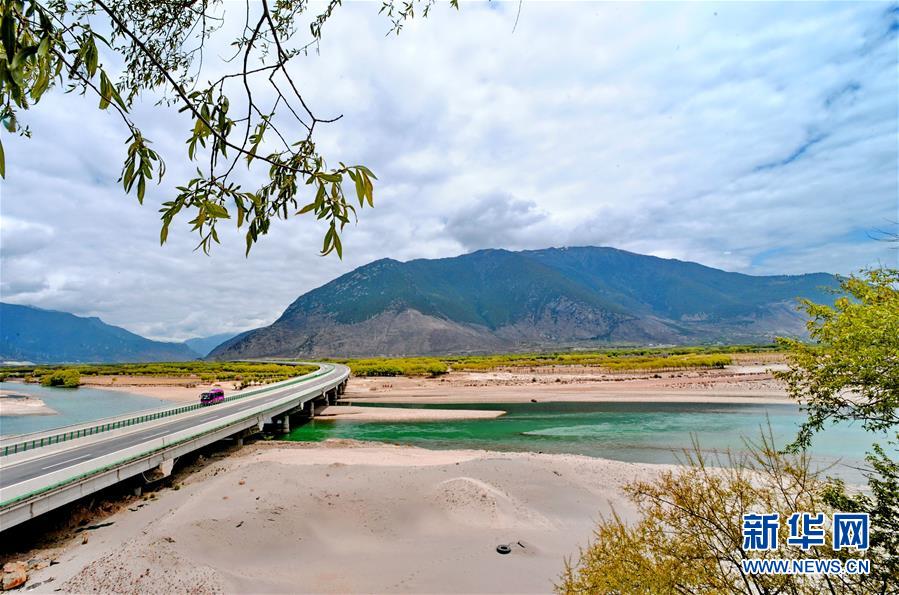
12 404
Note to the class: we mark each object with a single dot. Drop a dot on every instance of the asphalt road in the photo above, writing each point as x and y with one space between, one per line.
54 461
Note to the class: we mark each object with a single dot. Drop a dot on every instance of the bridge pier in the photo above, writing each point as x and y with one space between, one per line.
331 396
161 471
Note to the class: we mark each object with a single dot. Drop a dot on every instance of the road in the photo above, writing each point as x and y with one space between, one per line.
111 442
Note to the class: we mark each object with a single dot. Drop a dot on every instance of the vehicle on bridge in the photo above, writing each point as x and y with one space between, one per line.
213 396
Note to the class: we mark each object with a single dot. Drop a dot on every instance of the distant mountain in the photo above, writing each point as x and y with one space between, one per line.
203 345
496 300
49 336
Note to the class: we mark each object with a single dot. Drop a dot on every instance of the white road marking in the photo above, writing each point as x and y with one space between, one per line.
158 434
67 462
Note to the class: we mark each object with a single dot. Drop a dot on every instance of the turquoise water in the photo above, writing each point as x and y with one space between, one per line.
73 405
637 432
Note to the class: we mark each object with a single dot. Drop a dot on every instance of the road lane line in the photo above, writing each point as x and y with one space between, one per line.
66 462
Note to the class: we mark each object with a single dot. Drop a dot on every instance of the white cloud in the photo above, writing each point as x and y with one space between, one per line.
751 137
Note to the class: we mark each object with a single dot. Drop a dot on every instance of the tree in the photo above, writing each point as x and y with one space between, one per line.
851 373
243 116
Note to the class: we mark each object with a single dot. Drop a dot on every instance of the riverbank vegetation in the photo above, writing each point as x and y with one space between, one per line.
247 373
611 360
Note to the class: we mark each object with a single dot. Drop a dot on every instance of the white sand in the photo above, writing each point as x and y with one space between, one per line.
746 383
14 405
341 517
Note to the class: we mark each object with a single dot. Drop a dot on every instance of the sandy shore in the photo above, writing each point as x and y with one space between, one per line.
338 517
178 390
752 383
13 405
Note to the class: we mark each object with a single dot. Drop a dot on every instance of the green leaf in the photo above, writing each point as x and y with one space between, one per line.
8 32
2 161
216 210
43 47
327 243
104 91
40 85
338 246
360 189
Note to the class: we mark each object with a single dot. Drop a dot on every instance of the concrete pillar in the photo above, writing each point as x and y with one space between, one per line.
138 491
165 467
239 442
285 424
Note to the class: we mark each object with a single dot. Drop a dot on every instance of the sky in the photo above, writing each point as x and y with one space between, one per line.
753 137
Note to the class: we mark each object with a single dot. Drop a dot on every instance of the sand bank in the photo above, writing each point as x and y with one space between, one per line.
348 412
735 384
13 405
339 517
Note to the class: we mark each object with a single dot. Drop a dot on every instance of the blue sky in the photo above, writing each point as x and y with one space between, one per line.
759 138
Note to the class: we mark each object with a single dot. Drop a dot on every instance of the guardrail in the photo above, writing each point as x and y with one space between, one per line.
139 419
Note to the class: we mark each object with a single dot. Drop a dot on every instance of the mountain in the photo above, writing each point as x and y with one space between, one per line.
49 336
496 300
203 345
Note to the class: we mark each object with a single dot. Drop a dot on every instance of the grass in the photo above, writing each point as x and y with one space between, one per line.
613 360
246 373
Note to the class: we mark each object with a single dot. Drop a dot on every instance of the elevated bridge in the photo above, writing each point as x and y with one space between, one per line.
46 470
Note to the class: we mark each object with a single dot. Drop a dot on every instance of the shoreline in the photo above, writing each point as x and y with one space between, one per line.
347 517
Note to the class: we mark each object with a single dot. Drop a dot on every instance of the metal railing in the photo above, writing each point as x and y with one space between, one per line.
131 421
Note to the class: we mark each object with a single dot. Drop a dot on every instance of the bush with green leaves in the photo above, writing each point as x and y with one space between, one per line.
65 378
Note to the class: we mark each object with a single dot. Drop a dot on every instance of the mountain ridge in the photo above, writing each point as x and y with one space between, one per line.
500 300
28 333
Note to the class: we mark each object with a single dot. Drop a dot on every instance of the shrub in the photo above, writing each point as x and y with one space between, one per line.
63 378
